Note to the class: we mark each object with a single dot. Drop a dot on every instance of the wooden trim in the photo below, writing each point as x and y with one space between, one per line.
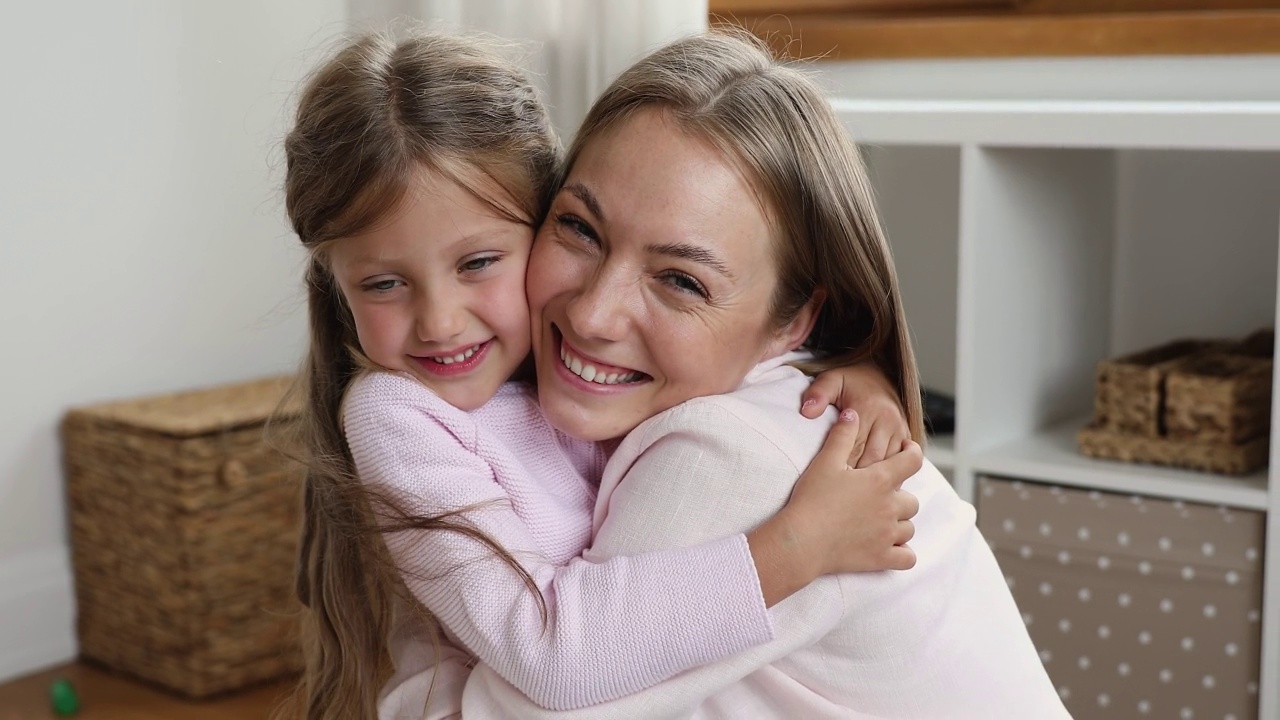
792 7
828 36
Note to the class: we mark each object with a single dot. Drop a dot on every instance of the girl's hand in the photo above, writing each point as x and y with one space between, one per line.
839 519
864 389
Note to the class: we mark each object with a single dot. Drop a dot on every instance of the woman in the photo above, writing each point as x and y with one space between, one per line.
713 219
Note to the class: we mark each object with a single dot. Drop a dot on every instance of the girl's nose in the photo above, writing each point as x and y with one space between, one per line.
440 318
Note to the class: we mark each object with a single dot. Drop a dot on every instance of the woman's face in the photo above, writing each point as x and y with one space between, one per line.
650 282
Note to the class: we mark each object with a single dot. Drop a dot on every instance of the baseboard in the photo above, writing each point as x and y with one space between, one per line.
37 612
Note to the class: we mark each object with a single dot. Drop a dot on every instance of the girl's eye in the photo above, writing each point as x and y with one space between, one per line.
686 284
381 286
478 264
578 226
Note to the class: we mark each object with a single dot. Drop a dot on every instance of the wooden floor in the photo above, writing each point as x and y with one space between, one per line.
106 696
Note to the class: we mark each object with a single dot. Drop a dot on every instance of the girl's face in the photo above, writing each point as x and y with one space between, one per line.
651 281
438 291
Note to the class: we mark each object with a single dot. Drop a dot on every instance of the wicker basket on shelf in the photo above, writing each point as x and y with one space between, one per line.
1202 405
184 526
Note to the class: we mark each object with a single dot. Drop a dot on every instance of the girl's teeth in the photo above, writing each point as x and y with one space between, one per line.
613 378
460 357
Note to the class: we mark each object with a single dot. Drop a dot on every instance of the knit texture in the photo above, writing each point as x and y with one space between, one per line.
942 640
613 628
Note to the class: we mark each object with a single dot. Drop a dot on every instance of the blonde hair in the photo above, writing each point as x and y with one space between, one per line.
725 86
368 119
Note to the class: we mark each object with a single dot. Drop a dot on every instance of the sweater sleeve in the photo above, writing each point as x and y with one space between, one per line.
701 472
612 628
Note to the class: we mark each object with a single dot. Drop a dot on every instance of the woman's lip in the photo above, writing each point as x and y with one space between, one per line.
457 368
599 364
576 381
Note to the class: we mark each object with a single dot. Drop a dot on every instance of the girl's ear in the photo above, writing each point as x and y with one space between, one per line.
793 334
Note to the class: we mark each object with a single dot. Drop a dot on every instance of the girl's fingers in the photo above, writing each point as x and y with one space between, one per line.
900 558
842 440
877 447
822 392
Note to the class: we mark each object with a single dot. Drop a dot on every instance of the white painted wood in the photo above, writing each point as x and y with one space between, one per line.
1051 456
1269 687
1061 123
1035 259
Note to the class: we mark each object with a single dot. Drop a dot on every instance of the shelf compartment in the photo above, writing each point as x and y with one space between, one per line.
1051 456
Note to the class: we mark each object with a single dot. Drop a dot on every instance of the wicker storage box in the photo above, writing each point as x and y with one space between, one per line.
1130 389
184 529
1219 397
1140 607
1203 405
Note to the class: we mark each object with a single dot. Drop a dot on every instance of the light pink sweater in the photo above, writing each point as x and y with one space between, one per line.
614 627
942 640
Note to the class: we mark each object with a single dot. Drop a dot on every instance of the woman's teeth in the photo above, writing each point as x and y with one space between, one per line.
451 359
590 374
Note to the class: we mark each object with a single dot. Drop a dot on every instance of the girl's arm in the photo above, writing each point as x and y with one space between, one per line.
654 506
865 389
612 627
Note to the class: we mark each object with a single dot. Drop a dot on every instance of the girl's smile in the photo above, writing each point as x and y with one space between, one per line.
437 291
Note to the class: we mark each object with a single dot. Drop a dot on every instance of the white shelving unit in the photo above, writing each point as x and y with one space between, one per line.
1034 239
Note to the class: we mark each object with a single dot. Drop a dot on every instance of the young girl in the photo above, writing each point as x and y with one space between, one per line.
417 172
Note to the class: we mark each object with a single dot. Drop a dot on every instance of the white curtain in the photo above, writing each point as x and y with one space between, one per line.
578 46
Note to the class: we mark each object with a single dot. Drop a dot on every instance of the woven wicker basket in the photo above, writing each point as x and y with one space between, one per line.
184 530
1130 389
1219 398
1218 457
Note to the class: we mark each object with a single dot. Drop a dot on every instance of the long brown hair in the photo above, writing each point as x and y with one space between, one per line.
725 85
368 119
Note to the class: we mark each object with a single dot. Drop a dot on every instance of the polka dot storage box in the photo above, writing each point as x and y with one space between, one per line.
1139 607
184 525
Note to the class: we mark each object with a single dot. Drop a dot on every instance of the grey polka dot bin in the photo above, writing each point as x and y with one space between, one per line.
1139 607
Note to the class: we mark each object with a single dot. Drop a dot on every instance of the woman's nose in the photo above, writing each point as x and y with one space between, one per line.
599 311
441 317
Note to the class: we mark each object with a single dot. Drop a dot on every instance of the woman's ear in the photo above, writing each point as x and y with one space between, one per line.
793 334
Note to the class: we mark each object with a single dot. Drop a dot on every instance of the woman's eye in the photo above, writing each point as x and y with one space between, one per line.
477 264
686 283
577 226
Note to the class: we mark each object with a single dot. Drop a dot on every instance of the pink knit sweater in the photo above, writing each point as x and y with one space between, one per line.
613 627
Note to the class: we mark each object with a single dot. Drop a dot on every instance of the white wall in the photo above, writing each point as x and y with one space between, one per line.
143 246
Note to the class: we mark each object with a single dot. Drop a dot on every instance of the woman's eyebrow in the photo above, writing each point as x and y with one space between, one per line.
583 193
692 253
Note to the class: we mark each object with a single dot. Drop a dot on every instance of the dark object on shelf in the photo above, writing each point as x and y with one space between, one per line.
1153 603
184 526
939 412
1203 405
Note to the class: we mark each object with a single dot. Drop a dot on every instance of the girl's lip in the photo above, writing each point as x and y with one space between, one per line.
458 368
